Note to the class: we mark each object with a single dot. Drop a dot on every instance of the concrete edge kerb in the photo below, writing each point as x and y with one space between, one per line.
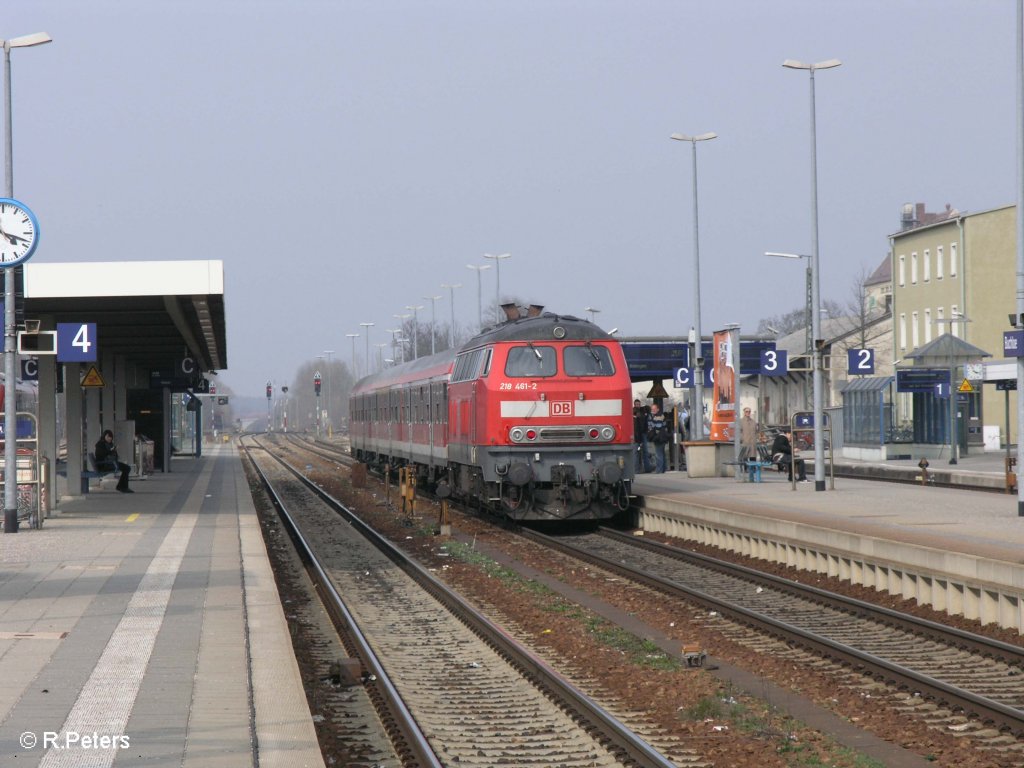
957 583
284 726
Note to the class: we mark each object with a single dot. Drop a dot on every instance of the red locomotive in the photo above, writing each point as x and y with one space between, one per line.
531 419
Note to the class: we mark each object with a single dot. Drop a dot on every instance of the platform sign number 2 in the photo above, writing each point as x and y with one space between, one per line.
76 342
860 361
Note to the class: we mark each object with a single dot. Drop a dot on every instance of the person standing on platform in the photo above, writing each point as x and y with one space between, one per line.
643 461
657 434
748 437
106 460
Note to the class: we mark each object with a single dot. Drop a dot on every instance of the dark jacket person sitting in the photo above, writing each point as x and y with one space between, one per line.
782 453
106 459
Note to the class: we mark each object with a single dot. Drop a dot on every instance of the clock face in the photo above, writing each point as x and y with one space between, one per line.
18 232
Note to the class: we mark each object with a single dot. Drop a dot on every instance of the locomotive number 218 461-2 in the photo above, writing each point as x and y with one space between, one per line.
519 385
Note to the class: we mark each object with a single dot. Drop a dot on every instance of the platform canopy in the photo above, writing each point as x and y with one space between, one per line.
946 350
154 313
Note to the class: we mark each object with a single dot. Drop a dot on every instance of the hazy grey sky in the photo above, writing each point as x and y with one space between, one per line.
346 158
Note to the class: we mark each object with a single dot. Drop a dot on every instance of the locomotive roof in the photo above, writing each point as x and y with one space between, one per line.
540 328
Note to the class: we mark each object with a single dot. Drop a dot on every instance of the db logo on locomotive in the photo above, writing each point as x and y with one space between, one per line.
561 407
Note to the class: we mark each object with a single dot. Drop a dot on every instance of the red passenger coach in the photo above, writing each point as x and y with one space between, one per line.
531 418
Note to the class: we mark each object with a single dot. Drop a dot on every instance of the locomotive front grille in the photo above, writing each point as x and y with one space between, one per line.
562 433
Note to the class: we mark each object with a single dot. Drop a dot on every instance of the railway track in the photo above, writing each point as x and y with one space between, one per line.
453 688
978 682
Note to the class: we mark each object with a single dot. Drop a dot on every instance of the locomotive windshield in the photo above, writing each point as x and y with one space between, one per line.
530 361
588 360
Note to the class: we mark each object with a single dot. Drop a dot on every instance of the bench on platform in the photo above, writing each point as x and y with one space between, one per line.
93 471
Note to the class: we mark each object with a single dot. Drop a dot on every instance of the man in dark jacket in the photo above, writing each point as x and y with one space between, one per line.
106 460
643 462
782 453
658 435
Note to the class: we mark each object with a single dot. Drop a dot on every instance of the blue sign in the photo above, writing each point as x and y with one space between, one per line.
805 419
914 380
76 343
1013 343
661 359
774 362
860 361
942 390
684 378
29 369
1006 385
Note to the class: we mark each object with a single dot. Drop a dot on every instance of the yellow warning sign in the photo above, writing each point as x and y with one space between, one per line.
92 378
965 386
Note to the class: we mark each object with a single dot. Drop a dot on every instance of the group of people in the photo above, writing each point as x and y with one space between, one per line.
651 429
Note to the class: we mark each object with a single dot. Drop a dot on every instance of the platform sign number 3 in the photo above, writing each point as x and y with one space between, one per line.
860 361
76 342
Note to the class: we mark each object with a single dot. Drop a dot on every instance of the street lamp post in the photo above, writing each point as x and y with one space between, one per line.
10 331
497 284
433 320
819 436
353 336
479 301
592 311
697 414
451 293
381 346
394 341
366 331
808 306
415 330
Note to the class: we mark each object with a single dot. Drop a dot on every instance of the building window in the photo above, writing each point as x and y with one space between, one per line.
903 330
927 265
903 270
938 263
952 259
954 327
913 269
940 321
914 331
927 326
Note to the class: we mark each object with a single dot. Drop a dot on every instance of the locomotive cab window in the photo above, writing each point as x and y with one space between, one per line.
530 361
588 360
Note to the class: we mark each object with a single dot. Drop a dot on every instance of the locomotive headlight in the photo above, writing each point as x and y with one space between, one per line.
608 433
516 435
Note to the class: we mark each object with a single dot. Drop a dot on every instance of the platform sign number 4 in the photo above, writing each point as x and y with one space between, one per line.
76 343
860 361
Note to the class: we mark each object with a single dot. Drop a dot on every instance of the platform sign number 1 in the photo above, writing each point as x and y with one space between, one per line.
76 343
860 361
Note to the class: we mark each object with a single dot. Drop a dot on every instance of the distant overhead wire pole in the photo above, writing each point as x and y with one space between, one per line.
451 292
433 320
367 327
479 301
401 321
592 311
497 285
353 336
415 330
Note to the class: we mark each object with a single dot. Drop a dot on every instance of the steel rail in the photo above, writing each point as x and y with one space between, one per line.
549 680
999 715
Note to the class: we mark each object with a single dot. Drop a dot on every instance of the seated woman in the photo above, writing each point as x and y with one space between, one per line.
782 452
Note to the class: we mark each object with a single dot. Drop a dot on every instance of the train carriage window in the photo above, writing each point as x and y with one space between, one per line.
485 367
587 360
530 361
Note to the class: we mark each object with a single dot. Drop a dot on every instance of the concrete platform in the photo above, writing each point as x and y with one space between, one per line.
957 550
146 629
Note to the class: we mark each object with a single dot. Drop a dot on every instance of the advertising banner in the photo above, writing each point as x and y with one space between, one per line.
725 393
